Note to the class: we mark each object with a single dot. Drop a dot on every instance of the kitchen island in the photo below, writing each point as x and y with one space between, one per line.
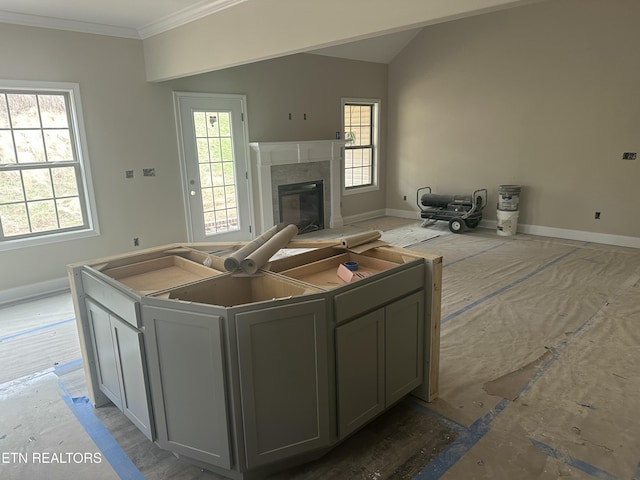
246 375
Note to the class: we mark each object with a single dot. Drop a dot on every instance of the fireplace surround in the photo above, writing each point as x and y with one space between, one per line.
279 163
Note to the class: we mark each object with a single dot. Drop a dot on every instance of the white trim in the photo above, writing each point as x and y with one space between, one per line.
595 237
29 292
266 154
173 20
68 25
77 126
377 109
392 212
361 217
187 15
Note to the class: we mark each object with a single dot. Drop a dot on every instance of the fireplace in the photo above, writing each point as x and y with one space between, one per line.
285 163
302 204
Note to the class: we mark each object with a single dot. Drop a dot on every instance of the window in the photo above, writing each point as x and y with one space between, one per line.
43 180
360 120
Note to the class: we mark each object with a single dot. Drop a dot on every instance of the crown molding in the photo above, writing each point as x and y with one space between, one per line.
177 19
70 25
182 17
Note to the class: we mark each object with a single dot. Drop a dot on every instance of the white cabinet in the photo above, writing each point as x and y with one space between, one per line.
120 363
186 367
283 380
379 359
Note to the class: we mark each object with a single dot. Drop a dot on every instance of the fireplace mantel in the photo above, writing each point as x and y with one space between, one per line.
265 155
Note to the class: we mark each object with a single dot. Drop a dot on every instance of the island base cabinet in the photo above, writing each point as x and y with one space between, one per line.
379 360
120 362
186 370
282 354
360 371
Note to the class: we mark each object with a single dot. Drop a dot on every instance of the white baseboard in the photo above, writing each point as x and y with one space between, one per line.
580 235
566 234
27 292
361 217
618 240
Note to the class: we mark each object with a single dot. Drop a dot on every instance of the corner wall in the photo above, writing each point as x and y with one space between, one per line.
545 96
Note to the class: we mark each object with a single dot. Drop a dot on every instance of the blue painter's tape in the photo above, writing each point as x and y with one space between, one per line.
63 368
507 287
83 411
36 329
574 462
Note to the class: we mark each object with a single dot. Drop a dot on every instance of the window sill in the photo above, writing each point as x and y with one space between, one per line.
47 239
357 190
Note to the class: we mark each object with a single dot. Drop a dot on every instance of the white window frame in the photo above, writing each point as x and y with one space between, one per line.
80 145
375 172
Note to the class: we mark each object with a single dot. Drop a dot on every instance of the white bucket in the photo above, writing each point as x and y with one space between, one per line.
507 223
508 197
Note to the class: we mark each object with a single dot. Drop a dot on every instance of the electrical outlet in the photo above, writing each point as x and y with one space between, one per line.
405 198
136 242
128 174
597 216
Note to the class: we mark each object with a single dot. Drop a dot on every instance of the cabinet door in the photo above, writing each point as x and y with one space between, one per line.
104 353
360 371
404 346
282 354
134 385
186 369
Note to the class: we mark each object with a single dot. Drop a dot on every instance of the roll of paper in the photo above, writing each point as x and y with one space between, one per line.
253 262
360 239
234 261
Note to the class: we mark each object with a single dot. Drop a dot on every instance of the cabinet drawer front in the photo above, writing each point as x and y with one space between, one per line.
119 303
378 293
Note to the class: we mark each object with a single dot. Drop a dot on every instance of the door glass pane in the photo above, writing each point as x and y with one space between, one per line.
217 171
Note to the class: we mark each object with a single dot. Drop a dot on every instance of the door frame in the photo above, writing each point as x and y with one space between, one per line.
184 177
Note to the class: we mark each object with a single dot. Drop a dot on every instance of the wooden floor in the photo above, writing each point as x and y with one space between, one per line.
540 353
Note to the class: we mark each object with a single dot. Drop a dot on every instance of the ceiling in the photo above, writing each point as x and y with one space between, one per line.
144 18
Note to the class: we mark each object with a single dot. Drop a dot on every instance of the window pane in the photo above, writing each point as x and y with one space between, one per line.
205 175
229 177
200 124
29 146
24 110
64 182
213 124
14 220
207 199
7 153
219 198
37 184
202 144
69 212
225 125
217 173
225 147
58 145
53 111
214 150
10 187
4 112
43 216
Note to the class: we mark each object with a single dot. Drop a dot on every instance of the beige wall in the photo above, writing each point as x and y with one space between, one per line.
300 84
545 96
130 126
